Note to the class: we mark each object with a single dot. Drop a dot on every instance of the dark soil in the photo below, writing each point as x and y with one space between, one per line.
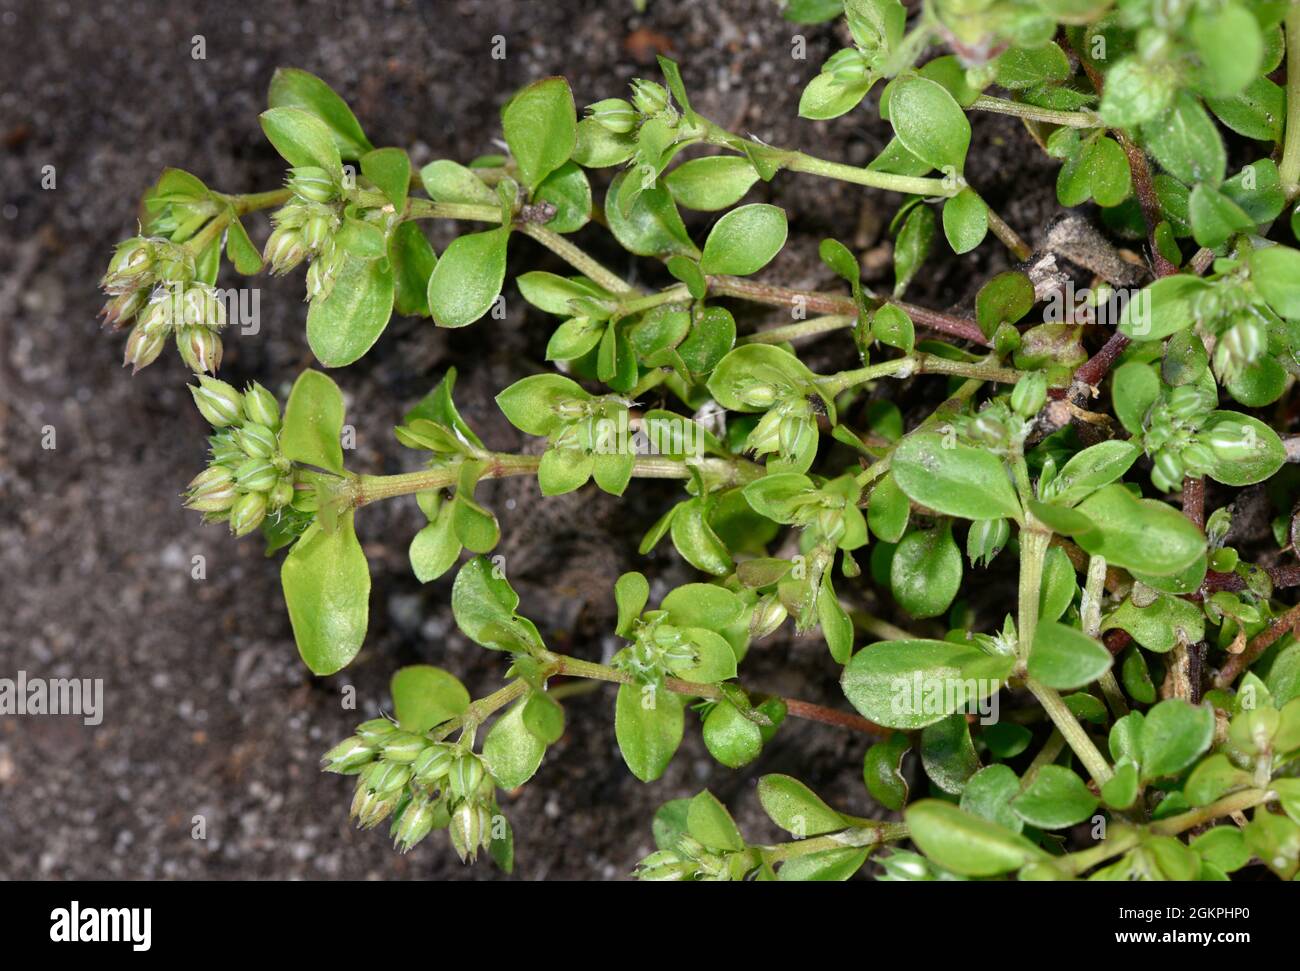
209 712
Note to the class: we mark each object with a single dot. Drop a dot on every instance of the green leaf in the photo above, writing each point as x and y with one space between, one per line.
953 478
448 181
1256 112
1186 143
302 139
1214 778
435 548
964 843
796 808
911 684
730 737
425 696
631 591
1139 534
708 821
965 221
1004 299
531 403
412 260
346 322
1025 67
483 604
390 170
466 281
1215 217
912 246
926 571
1161 624
988 794
1087 471
1224 847
892 326
568 190
696 540
648 725
1230 48
541 128
826 865
240 250
929 122
1134 389
511 752
829 96
1120 791
1057 798
1064 657
1275 272
1174 735
712 183
292 88
1162 308
744 240
702 605
882 771
888 509
313 422
948 754
652 225
326 583
544 717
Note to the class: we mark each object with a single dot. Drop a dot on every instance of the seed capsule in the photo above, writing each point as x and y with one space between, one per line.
1198 459
348 756
466 775
260 406
212 490
247 513
375 730
256 475
769 614
217 401
404 747
1030 394
467 831
256 440
316 230
200 349
1169 465
433 764
142 348
1190 401
284 249
281 494
416 823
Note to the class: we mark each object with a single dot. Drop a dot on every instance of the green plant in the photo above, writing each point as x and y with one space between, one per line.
1042 451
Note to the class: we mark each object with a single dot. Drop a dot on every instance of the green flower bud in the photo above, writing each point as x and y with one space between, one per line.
131 266
200 349
281 494
173 264
256 440
1030 394
256 475
348 757
663 865
312 184
847 66
217 401
404 746
1169 465
758 395
416 823
987 430
159 316
433 764
650 98
260 406
318 227
284 249
613 114
794 432
1189 401
769 614
212 490
1198 459
142 348
225 449
319 280
374 731
986 539
467 774
247 513
1230 440
766 435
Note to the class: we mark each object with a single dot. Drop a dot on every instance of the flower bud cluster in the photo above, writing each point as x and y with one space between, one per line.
1174 441
689 859
424 785
788 428
657 646
248 476
1226 310
997 427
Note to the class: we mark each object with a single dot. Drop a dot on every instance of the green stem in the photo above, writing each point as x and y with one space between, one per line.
1033 551
562 664
1073 732
577 258
428 209
480 710
1289 169
872 833
1018 109
804 328
796 161
366 489
917 363
253 201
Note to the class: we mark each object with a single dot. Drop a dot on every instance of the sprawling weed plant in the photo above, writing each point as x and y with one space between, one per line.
1135 714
